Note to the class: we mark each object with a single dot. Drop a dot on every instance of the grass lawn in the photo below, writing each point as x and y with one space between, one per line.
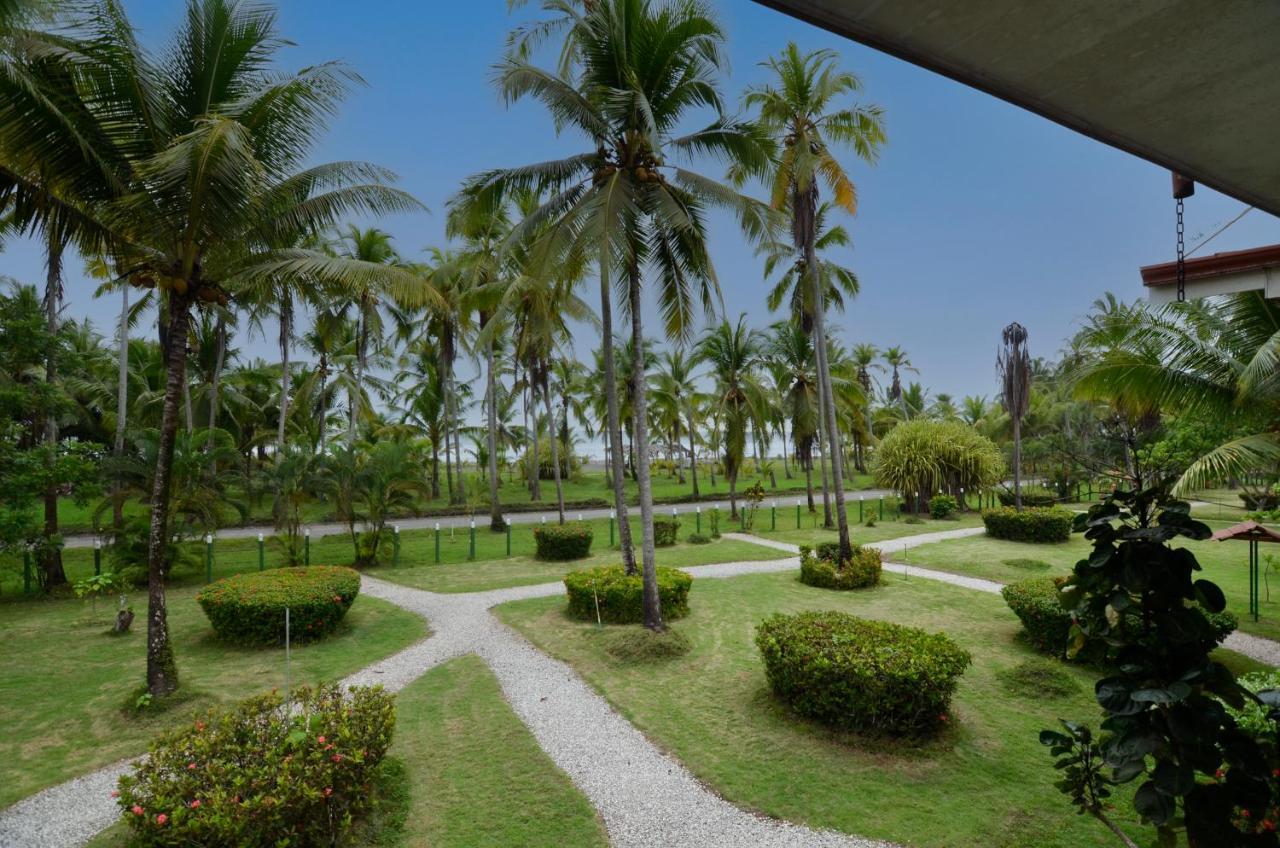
893 526
64 683
587 486
1226 563
987 782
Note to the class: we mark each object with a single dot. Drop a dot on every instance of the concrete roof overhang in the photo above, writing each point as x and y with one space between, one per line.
1191 86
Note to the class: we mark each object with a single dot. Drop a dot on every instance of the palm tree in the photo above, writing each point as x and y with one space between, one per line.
865 356
898 361
732 353
675 387
794 110
1013 364
792 287
974 409
204 151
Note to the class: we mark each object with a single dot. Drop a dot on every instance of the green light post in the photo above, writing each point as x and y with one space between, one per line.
882 507
508 526
613 516
472 553
306 547
773 516
208 557
395 545
860 504
97 557
797 513
697 518
437 543
262 557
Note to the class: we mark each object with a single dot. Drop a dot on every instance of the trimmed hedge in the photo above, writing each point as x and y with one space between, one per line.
1037 496
249 608
256 774
855 674
559 542
665 531
1032 524
621 595
821 570
1047 623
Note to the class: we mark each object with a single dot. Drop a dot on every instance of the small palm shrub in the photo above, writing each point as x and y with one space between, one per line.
855 674
559 542
1032 524
936 456
1037 496
942 507
821 569
249 608
665 531
257 774
620 595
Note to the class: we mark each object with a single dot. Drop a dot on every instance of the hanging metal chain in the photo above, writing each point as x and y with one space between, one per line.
1182 258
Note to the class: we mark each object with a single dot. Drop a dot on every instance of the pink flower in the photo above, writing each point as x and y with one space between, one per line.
320 739
195 805
199 725
115 793
161 819
191 766
337 758
328 790
137 811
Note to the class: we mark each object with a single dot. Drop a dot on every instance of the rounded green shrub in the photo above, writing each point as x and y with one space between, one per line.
1037 496
822 570
1031 524
257 774
698 539
943 506
620 595
560 542
665 531
249 608
855 674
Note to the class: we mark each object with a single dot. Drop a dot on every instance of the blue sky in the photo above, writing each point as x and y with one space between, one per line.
978 213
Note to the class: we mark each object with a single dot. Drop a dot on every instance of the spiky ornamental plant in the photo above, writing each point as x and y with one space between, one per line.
1013 364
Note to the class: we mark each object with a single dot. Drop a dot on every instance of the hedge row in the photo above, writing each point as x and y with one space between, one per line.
259 775
855 674
559 542
821 569
1031 496
620 595
1032 524
250 608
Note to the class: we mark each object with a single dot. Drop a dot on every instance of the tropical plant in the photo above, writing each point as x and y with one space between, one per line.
732 353
1014 366
922 458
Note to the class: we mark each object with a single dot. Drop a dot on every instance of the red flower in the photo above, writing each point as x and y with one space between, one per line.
195 805
1219 774
1245 813
137 811
115 793
337 758
191 766
337 599
199 725
320 739
161 819
1269 824
328 790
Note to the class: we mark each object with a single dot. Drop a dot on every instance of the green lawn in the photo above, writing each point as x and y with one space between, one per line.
1226 563
64 682
893 526
987 782
588 486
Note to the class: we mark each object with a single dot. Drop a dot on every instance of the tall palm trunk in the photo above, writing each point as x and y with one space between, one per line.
535 461
353 397
808 478
496 521
322 414
122 406
805 212
162 670
286 333
693 459
220 354
457 442
786 469
448 452
1017 463
649 571
614 424
555 441
824 446
50 554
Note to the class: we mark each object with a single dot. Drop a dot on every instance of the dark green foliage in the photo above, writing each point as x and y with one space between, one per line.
855 674
1034 524
1037 496
559 542
943 506
258 775
698 539
1163 697
640 644
1081 763
620 594
1027 564
249 608
1044 621
860 571
665 531
1037 679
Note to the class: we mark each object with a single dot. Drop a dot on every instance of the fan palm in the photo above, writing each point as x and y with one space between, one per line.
796 109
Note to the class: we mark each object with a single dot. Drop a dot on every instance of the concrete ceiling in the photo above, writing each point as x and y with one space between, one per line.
1193 86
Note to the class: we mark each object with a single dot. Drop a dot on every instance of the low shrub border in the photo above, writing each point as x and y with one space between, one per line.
249 608
855 674
621 595
820 569
559 542
257 774
1032 524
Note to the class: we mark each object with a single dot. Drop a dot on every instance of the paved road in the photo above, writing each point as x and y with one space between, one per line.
327 528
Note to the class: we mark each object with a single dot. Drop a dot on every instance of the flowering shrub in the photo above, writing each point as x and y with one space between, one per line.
249 608
861 571
258 775
557 542
1032 524
856 674
621 595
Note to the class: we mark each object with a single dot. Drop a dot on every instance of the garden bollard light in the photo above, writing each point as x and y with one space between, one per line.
437 543
773 516
208 557
882 508
797 513
508 524
613 516
860 509
306 546
97 557
395 545
697 518
472 553
579 518
26 572
262 559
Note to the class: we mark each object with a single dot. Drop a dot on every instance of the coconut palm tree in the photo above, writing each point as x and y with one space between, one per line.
796 108
897 360
732 353
675 386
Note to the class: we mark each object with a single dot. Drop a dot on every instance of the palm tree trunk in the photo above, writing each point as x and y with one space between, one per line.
457 441
649 569
1017 463
353 396
122 406
220 337
322 414
496 521
190 410
535 491
614 425
286 333
435 467
555 442
50 554
786 469
823 449
162 671
693 459
808 478
448 453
